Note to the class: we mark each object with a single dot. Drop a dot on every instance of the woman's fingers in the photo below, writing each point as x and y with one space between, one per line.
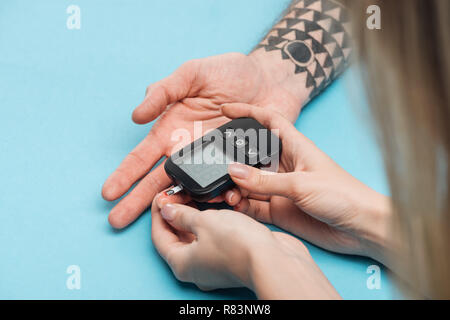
257 209
181 217
269 119
256 196
232 197
173 246
162 198
265 182
252 195
295 146
163 236
178 85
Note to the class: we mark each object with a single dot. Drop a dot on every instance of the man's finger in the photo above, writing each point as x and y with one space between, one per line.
135 165
159 95
139 199
181 217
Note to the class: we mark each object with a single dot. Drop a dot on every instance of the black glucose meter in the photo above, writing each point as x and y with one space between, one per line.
201 168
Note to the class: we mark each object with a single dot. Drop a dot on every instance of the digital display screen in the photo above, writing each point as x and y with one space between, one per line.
206 164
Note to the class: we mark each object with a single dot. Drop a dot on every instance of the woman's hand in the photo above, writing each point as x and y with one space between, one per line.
225 249
194 92
312 197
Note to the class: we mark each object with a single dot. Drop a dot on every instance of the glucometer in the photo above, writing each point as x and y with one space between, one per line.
201 168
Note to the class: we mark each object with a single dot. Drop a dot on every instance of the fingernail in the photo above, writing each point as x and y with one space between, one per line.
238 170
168 211
230 196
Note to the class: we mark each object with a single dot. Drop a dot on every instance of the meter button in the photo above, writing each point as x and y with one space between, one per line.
240 142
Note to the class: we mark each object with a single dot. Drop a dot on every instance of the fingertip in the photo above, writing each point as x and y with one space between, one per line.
223 108
232 197
116 220
161 200
238 170
109 190
227 110
112 187
229 197
169 211
139 115
124 213
238 195
108 193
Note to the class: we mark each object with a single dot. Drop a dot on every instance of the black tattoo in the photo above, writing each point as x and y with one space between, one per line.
315 36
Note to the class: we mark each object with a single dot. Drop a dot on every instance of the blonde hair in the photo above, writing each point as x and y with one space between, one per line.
406 67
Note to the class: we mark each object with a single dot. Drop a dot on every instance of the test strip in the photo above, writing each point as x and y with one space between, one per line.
174 190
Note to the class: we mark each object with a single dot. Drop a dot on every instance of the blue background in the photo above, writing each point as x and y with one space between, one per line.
66 97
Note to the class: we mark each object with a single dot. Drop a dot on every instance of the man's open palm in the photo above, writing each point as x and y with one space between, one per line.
194 92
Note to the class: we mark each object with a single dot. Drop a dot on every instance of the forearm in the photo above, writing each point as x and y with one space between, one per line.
275 275
308 48
375 221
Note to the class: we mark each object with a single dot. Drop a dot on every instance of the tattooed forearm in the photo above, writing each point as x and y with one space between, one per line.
315 36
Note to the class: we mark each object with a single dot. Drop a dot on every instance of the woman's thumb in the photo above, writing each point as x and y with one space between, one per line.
263 182
181 217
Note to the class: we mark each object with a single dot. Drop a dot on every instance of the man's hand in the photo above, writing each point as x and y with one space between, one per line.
194 92
298 58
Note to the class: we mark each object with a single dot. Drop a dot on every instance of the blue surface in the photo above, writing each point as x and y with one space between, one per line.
66 97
